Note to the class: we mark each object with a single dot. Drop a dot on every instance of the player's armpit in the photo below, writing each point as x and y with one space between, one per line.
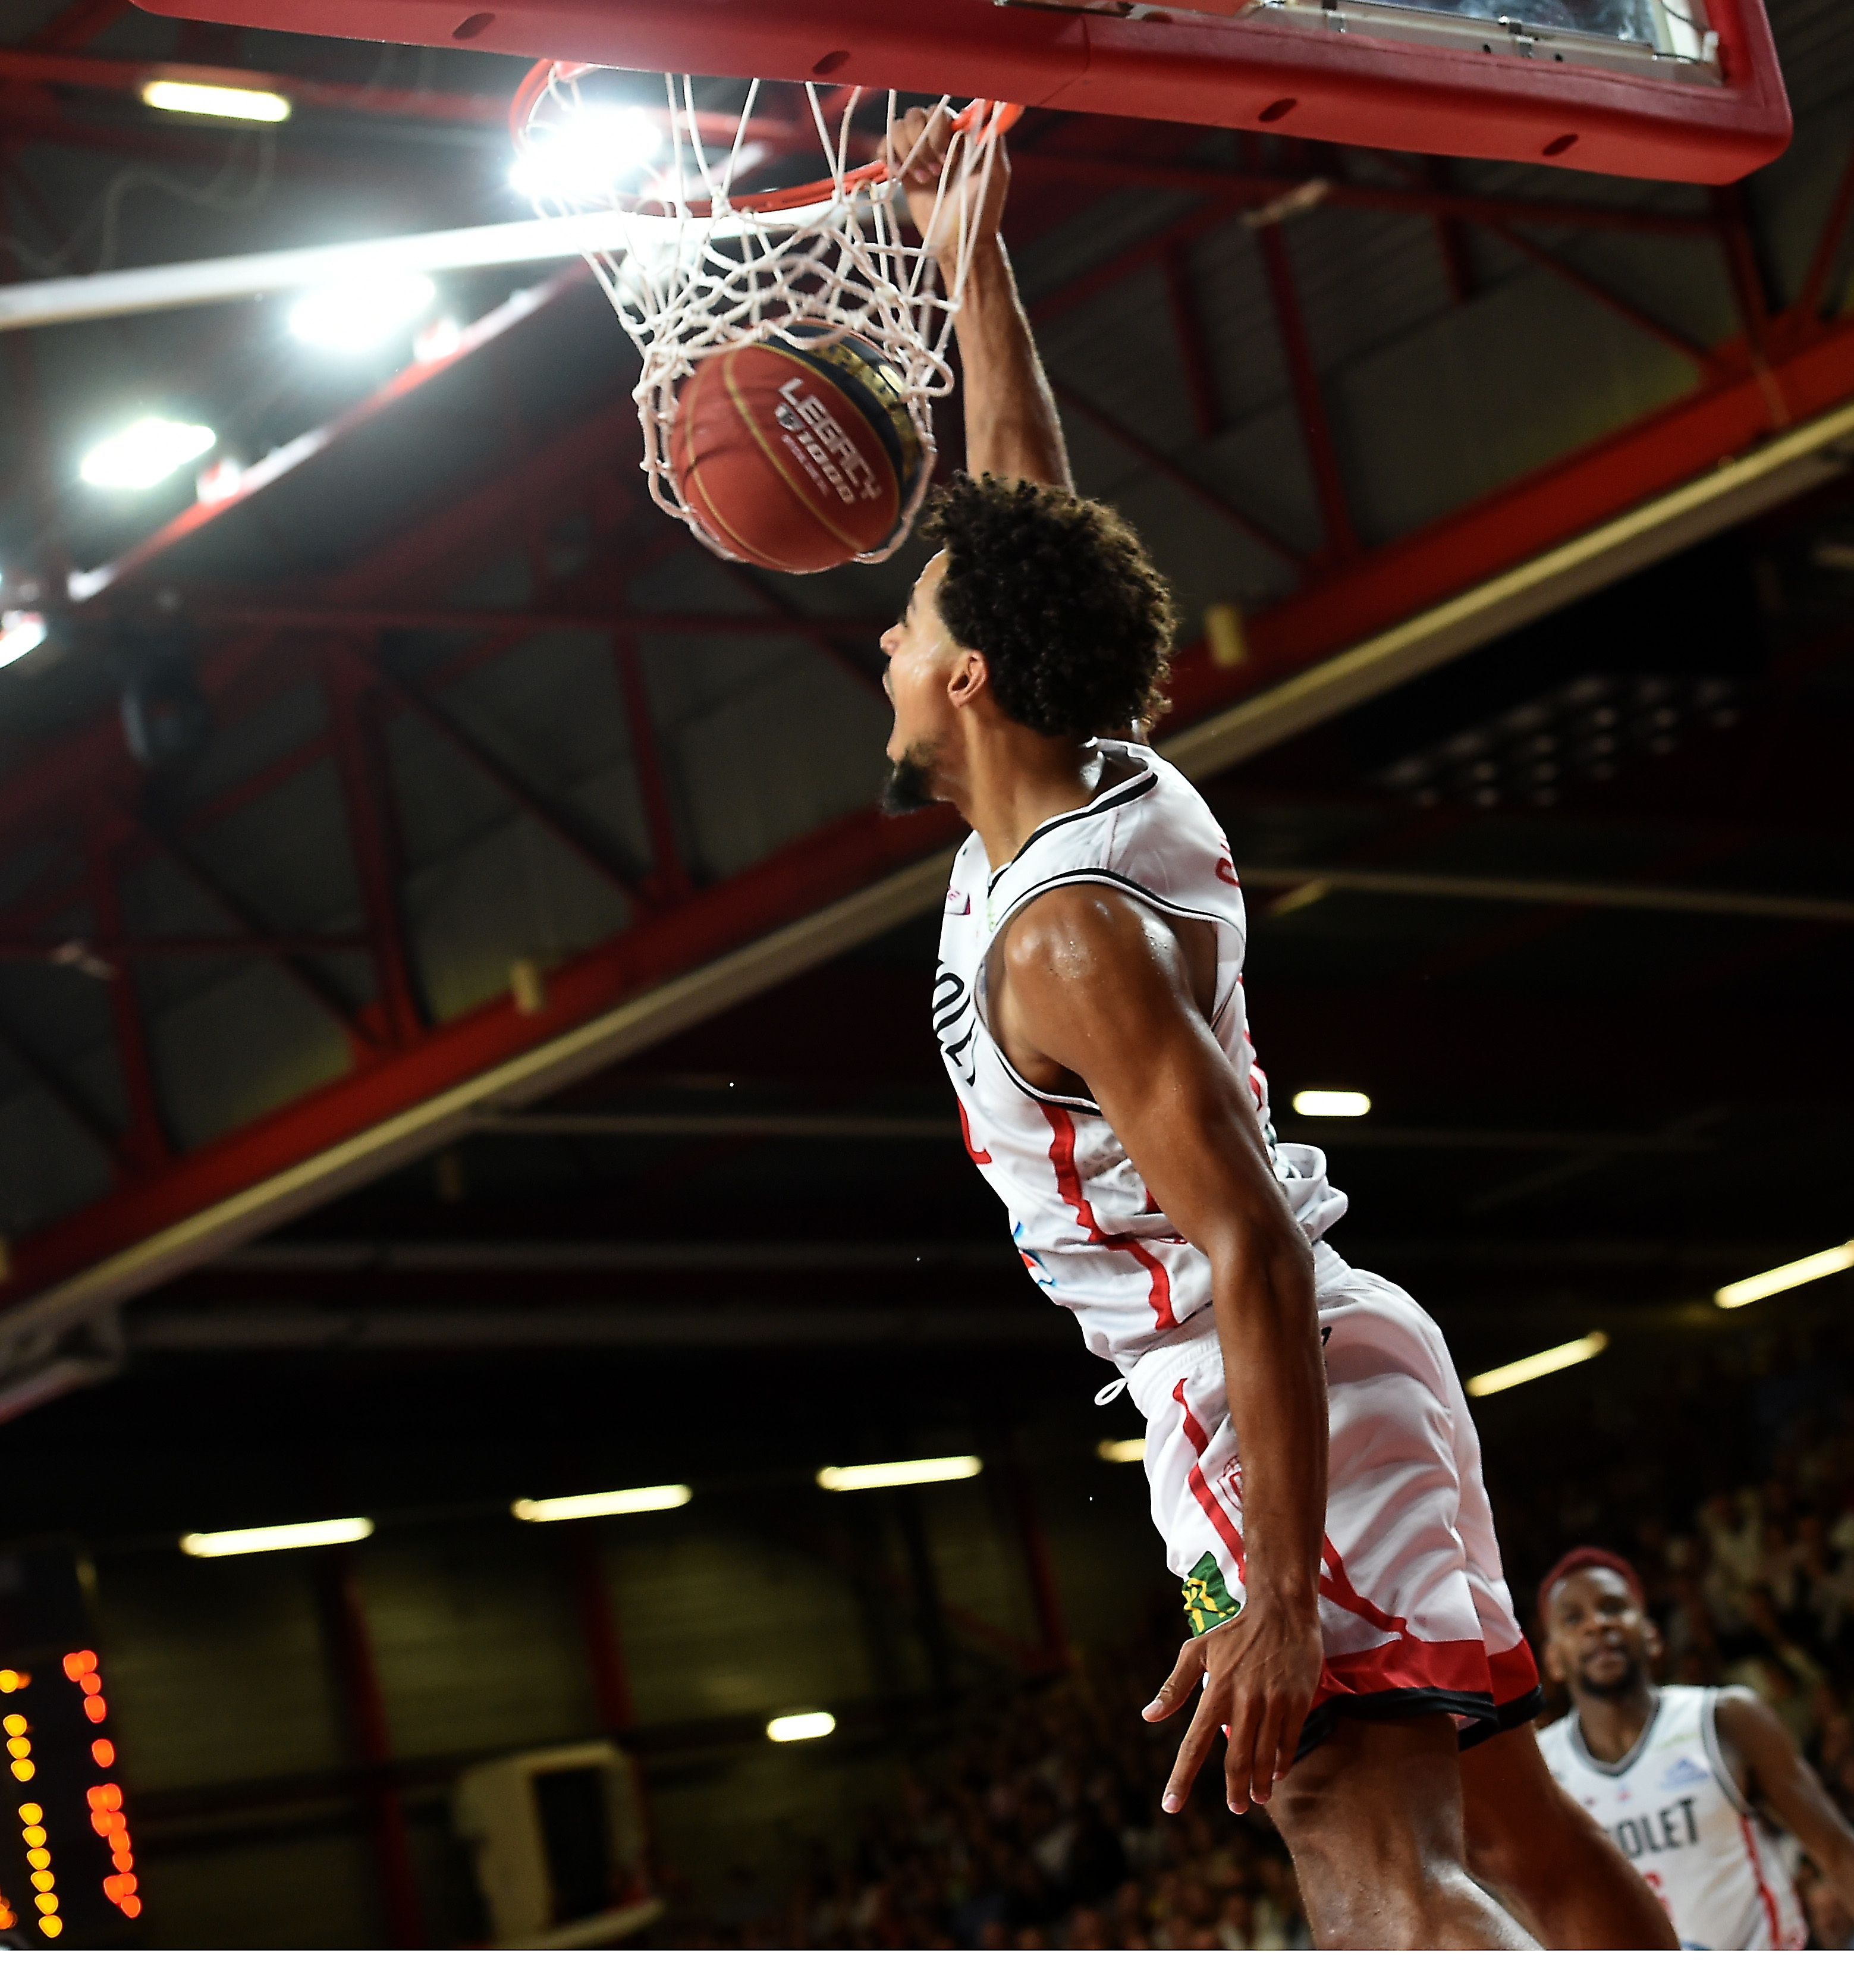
1781 1782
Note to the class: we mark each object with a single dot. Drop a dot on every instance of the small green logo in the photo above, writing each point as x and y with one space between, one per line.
1207 1600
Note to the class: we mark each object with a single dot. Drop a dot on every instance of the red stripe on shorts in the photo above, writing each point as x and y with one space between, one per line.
1514 1672
1409 1664
1213 1510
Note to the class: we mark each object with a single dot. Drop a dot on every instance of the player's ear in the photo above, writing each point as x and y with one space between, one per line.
1554 1669
971 674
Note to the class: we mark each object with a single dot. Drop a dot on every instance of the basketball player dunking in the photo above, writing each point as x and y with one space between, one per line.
1354 1639
1688 1781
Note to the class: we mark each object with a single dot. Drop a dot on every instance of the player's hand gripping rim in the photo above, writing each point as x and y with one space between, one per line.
1259 1675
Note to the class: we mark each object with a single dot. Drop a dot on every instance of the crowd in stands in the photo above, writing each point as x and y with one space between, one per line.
1039 1825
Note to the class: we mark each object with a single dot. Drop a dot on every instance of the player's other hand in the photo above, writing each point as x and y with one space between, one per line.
918 147
1259 1675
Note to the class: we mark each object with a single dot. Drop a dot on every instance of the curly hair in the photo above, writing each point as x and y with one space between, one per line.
1060 597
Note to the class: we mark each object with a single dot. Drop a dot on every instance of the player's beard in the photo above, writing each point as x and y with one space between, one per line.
1624 1685
909 786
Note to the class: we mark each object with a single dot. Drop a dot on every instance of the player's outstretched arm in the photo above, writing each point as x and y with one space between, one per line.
1778 1779
1102 988
1012 428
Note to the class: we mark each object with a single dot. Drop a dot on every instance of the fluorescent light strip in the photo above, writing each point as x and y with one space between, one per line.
603 1504
880 1476
276 1539
207 100
1128 1449
1332 1104
1535 1366
801 1725
1785 1277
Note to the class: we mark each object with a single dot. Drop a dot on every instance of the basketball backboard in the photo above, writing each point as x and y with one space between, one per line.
1685 89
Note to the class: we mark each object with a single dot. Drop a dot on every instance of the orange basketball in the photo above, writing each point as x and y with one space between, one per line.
796 460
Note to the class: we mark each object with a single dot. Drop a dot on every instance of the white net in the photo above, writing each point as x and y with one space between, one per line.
694 261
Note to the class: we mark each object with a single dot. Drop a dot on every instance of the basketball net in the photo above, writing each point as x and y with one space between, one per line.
693 267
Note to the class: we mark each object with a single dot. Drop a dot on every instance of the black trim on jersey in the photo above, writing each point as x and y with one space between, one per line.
1411 1702
1126 884
1615 1769
1085 1105
1117 795
1516 1712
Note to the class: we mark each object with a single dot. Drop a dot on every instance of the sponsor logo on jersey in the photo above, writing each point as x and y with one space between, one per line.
1674 1827
959 904
1033 1262
1207 1600
1686 1773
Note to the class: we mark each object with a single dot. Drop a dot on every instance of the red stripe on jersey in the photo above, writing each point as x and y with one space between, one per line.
1765 1897
1069 1184
965 1133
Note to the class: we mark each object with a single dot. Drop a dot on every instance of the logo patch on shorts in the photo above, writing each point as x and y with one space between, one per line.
1207 1600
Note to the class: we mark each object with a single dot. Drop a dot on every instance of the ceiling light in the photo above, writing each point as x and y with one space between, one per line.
207 100
20 635
1535 1366
144 452
275 1538
1332 1104
801 1725
588 155
880 1477
603 1504
1128 1449
358 312
1785 1277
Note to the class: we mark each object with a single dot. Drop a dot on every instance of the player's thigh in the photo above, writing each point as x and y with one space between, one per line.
1379 1801
1520 1825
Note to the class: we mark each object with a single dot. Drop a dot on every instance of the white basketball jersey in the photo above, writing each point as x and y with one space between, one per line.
1672 1807
1089 1232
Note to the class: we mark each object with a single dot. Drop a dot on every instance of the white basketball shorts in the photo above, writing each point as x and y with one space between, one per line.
1414 1613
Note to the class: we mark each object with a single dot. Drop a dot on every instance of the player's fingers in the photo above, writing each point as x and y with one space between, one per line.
1265 1752
1191 1755
1179 1686
904 137
1239 1761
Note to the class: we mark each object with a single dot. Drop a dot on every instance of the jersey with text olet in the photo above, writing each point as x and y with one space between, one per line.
1671 1805
1090 1233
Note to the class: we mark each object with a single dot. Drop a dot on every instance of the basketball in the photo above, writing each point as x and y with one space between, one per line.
796 460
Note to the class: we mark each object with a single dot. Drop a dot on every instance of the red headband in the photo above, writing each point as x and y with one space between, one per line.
1576 1561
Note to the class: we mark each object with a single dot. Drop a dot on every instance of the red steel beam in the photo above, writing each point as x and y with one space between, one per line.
1316 432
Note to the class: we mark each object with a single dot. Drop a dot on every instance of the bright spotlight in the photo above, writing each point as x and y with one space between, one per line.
880 1477
1332 1104
143 453
20 635
1785 1277
801 1725
1535 1366
360 311
588 154
1125 1449
207 100
276 1539
603 1504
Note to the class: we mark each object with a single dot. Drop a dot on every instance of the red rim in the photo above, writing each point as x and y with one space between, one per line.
778 200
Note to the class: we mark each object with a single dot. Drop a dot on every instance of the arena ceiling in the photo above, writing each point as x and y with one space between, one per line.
441 909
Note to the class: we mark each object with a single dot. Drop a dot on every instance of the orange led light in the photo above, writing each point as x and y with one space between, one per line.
46 1902
31 1812
104 1752
52 1926
106 1795
23 1770
78 1662
10 1680
95 1710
